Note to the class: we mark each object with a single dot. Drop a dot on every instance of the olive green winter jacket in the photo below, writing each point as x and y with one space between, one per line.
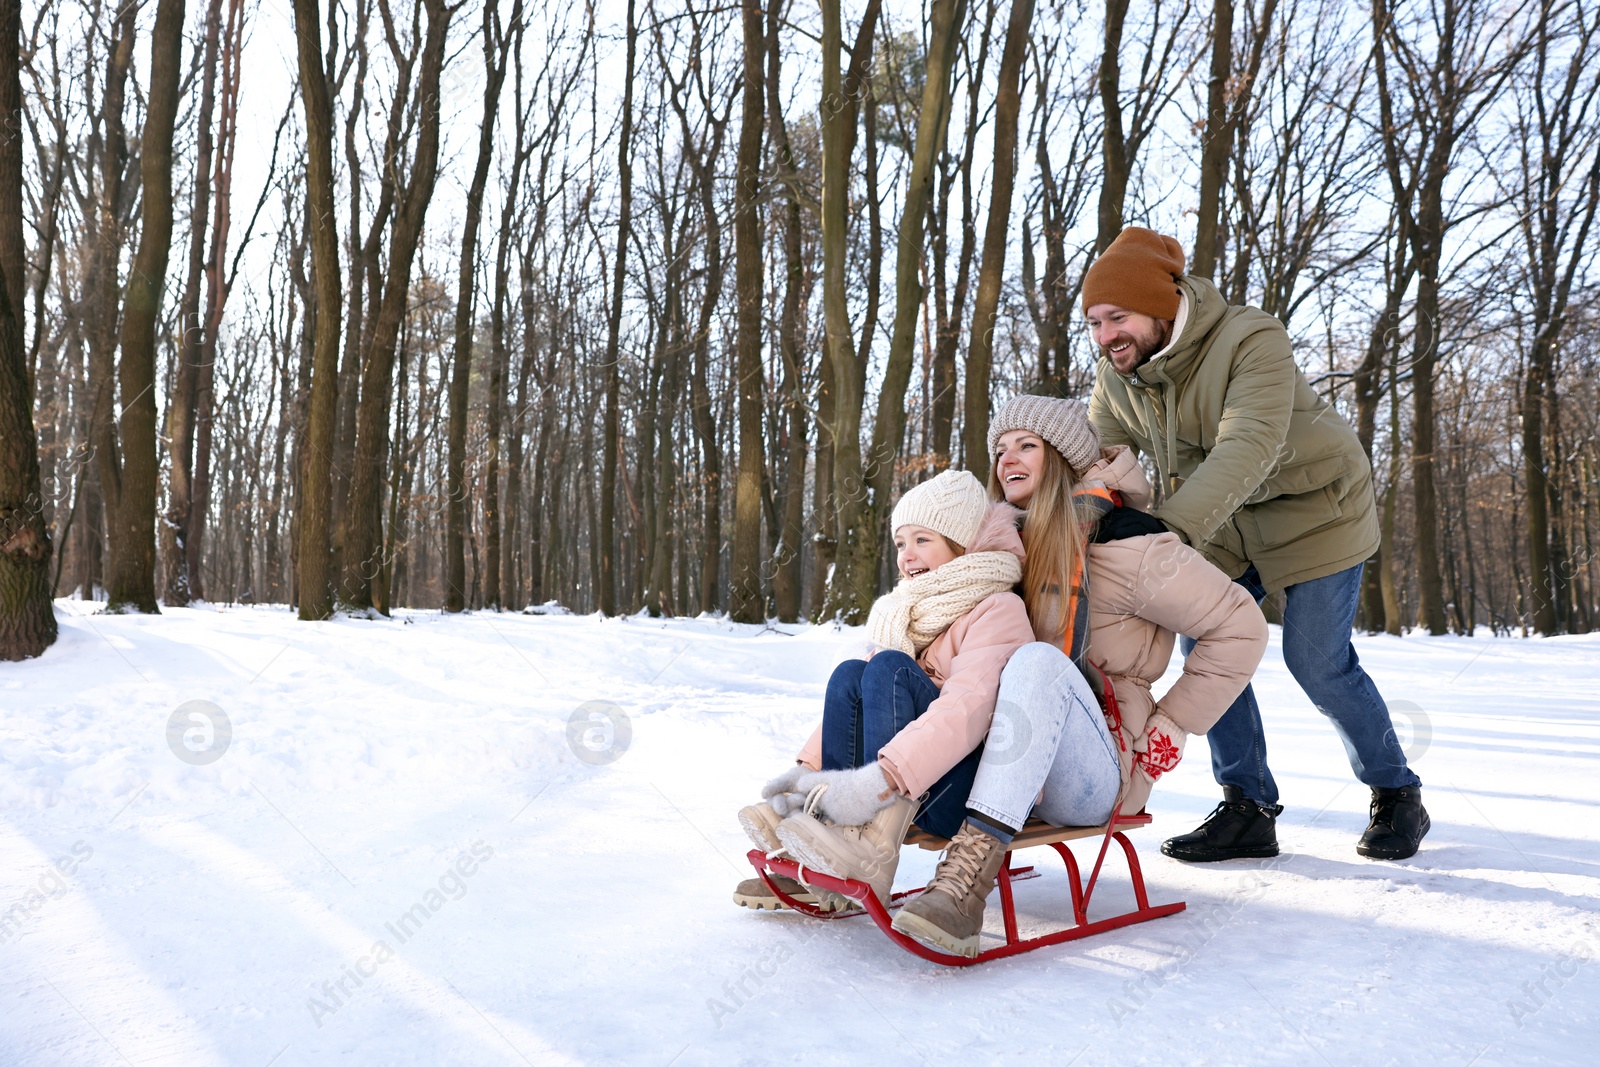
1255 466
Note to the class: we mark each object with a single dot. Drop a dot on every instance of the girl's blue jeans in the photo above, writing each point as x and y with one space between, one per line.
867 703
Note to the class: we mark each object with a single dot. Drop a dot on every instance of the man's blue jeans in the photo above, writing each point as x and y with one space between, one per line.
867 703
1318 617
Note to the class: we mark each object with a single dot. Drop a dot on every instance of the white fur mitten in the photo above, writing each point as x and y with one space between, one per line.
851 797
780 792
1160 747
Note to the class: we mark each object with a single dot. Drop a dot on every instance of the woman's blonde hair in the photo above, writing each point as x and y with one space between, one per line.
1052 533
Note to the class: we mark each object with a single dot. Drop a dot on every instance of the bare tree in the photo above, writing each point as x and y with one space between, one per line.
611 443
1452 60
27 620
316 451
1559 153
980 351
126 446
361 531
1128 125
864 483
745 601
496 43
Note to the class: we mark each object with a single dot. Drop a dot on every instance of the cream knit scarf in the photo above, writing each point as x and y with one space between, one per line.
921 608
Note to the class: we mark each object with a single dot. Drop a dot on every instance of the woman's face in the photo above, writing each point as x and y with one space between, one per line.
919 550
1019 459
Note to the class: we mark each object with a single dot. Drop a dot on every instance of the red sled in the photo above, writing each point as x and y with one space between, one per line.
1035 833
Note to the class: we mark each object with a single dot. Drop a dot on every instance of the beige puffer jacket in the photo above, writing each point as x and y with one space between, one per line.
965 663
1143 592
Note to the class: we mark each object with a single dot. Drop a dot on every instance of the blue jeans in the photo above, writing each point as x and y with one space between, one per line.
867 703
1318 617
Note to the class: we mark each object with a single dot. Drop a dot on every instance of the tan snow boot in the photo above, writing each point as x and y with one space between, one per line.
868 853
753 893
760 823
948 914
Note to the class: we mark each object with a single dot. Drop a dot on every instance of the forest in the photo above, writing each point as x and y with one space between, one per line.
658 305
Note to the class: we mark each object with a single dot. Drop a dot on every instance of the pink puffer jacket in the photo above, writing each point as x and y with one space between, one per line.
965 663
1143 592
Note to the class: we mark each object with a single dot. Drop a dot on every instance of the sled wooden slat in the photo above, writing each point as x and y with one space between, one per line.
1036 832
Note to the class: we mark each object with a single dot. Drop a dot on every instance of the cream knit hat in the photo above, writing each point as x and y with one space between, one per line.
952 503
1063 423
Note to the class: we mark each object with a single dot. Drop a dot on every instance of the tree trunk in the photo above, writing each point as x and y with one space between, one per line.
610 435
218 284
865 483
181 406
745 601
786 575
951 306
843 380
1114 182
456 510
496 574
980 348
1216 140
27 618
362 540
1549 238
316 452
130 579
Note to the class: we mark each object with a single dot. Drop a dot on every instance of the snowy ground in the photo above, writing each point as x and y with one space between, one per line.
253 910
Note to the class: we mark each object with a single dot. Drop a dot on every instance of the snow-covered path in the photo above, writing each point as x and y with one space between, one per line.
401 858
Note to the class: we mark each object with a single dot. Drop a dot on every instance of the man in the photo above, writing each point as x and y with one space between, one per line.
1270 484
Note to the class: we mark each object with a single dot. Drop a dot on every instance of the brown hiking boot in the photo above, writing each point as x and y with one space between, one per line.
760 824
869 853
948 914
753 893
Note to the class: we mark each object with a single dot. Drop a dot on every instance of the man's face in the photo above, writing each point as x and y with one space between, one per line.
1127 338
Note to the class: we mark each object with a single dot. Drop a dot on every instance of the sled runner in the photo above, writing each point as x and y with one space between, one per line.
1035 833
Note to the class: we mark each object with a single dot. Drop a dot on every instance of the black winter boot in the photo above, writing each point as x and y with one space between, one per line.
1399 822
1238 828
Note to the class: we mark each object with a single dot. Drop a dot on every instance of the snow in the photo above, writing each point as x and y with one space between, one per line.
401 858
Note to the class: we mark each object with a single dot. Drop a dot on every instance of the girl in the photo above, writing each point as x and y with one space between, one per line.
906 723
1107 591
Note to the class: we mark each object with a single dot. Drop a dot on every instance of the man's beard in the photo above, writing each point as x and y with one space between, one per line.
1148 344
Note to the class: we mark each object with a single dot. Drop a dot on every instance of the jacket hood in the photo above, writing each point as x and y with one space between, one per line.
1200 310
998 531
1119 469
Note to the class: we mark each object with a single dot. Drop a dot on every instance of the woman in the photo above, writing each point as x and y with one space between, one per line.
1129 590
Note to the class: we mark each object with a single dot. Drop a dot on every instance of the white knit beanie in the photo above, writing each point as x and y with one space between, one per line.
952 503
1063 423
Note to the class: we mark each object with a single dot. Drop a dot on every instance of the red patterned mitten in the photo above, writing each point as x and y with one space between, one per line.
1160 748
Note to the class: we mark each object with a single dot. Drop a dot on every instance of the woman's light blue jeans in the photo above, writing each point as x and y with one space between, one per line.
1049 743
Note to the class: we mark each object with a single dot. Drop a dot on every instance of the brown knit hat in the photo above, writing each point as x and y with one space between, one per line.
1140 272
1063 423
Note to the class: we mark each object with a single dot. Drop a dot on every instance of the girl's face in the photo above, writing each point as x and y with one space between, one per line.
919 550
1018 461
